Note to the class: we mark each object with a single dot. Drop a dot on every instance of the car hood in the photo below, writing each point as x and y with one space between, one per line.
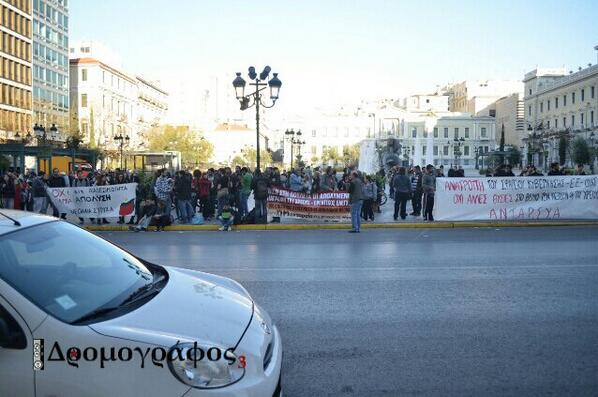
192 307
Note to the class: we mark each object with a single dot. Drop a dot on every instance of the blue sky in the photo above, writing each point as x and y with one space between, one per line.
329 50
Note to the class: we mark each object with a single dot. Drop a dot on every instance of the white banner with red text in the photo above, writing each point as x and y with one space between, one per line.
324 205
517 198
108 201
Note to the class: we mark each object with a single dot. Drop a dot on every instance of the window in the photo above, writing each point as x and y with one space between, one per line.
313 133
592 92
530 91
529 110
456 133
592 118
424 149
435 132
564 122
445 150
541 107
435 150
466 151
583 94
313 150
548 105
446 132
83 100
492 113
564 100
581 118
572 98
556 103
548 124
83 74
466 132
104 76
483 132
414 133
572 120
556 123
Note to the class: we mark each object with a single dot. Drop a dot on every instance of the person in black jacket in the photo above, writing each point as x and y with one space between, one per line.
182 191
260 185
57 180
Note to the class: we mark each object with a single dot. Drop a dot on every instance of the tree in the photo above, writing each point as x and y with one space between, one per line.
330 154
580 151
194 151
249 157
315 160
513 156
563 150
351 154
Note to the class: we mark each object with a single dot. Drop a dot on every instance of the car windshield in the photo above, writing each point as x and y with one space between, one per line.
67 271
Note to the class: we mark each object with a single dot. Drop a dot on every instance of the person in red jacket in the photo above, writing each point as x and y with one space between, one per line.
206 205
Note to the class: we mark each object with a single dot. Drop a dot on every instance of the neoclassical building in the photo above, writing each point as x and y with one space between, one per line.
557 105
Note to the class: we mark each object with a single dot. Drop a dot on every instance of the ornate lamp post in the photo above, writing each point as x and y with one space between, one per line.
122 139
255 97
290 136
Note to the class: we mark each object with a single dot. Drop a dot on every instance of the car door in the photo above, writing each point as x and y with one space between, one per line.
16 354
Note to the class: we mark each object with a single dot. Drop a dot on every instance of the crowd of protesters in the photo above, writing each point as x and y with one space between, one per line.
223 194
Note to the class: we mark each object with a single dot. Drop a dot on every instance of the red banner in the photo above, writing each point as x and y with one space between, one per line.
325 205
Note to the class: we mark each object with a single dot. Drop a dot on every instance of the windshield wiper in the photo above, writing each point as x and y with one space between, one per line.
99 312
144 292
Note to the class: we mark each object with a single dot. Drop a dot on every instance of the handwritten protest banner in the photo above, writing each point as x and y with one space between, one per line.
95 201
325 205
517 198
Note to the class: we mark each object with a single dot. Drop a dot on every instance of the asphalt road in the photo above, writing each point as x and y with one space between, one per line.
426 312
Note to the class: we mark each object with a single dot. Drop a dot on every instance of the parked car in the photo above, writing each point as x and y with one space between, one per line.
80 316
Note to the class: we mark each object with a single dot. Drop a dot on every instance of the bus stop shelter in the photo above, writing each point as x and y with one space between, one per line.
44 155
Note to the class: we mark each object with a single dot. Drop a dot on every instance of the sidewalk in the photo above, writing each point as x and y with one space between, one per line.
382 220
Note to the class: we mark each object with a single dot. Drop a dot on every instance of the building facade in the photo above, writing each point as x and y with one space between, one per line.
51 65
559 105
15 69
107 102
509 112
477 96
432 135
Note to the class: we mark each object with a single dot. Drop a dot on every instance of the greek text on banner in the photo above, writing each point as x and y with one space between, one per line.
517 198
95 201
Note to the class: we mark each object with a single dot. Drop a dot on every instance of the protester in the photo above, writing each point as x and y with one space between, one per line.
416 188
370 192
402 189
429 189
580 170
260 186
162 189
80 181
555 169
182 191
356 201
246 179
57 180
226 218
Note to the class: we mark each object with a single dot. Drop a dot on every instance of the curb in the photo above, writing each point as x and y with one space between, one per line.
337 226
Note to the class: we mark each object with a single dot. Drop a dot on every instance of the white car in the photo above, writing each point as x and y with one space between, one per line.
79 316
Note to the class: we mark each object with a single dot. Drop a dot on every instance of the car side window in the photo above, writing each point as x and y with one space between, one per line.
11 333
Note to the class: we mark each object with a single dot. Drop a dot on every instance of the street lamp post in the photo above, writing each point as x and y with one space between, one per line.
290 136
258 82
122 139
